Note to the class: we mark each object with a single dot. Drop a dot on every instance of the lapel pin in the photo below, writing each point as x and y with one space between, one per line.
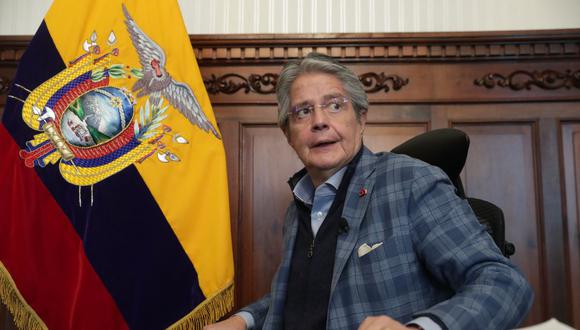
362 192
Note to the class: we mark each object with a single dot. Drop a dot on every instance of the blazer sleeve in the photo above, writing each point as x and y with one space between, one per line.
259 310
489 292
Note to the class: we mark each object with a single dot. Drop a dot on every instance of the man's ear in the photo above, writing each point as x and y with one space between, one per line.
363 119
286 133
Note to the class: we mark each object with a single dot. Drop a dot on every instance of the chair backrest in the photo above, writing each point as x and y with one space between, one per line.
491 216
447 148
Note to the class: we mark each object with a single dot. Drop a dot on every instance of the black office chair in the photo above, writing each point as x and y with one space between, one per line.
447 148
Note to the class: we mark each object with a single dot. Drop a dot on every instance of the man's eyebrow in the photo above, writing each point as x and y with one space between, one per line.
300 104
332 96
325 98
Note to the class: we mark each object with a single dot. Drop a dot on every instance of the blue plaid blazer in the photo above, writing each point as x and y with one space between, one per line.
436 260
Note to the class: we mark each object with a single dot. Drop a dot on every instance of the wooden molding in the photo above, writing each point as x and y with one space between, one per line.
520 79
12 48
407 47
230 83
231 64
349 47
376 82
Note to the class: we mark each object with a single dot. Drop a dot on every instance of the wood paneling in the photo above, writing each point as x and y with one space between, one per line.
571 184
267 163
516 95
501 168
542 118
386 136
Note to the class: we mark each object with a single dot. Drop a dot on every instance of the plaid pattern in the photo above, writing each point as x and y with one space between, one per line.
436 260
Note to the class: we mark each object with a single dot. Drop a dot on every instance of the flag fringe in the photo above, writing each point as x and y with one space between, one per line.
209 311
24 316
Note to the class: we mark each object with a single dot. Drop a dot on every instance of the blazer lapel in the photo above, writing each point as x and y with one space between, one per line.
355 206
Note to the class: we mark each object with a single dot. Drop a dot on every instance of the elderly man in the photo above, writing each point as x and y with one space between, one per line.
374 241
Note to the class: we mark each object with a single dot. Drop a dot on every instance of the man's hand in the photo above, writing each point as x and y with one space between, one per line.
382 322
234 323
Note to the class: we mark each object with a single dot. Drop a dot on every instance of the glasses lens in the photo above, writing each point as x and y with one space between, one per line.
335 105
304 112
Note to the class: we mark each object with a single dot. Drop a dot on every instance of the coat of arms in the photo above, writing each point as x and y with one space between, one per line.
94 126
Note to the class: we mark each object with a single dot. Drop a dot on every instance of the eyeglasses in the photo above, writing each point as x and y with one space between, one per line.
303 113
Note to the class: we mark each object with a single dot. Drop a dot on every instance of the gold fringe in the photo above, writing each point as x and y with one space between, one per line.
208 311
24 316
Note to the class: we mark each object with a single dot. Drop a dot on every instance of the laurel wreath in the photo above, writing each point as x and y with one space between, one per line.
137 72
114 71
150 118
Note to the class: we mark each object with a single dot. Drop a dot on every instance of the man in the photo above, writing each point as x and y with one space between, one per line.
374 241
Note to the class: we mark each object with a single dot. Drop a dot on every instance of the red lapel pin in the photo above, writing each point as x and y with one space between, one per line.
362 192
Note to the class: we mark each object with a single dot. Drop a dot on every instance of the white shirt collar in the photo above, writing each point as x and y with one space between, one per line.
304 189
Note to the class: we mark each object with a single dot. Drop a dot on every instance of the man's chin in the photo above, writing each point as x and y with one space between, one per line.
326 166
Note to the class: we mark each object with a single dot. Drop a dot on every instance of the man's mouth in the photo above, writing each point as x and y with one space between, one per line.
323 144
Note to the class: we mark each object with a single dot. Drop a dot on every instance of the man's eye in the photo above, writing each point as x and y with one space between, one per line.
334 106
303 112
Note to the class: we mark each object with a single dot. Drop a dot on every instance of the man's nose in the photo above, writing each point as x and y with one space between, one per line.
319 119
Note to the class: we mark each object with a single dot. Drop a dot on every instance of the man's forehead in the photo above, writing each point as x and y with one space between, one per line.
316 95
315 87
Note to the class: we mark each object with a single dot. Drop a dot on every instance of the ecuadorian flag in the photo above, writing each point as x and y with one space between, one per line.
113 189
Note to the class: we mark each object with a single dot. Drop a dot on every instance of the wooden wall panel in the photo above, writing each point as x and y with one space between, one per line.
501 168
267 162
385 136
571 184
543 117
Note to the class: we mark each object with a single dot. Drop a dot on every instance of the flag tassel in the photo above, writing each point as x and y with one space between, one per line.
209 311
24 316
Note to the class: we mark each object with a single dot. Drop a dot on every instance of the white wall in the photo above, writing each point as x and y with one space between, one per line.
21 17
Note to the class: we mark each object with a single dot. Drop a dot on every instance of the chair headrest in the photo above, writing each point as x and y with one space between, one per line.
446 148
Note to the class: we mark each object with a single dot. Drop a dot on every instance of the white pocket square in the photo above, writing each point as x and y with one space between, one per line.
365 248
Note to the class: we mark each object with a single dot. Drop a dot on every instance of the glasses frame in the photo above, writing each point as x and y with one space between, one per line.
324 107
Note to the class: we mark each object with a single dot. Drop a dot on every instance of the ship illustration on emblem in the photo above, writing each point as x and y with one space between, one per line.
93 125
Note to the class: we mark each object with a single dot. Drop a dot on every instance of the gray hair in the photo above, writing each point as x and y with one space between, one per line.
318 63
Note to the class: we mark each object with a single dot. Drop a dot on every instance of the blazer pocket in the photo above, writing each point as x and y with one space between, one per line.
371 258
381 257
365 248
